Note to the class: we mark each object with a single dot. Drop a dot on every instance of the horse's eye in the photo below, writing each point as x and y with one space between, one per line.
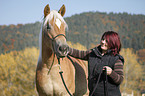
48 26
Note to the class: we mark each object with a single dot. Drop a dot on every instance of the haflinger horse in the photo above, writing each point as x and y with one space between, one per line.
53 45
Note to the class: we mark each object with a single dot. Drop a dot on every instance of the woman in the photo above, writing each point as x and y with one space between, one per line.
105 56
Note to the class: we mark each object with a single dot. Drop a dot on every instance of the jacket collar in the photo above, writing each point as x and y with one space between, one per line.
97 50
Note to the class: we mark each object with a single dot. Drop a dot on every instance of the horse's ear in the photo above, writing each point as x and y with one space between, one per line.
46 10
62 10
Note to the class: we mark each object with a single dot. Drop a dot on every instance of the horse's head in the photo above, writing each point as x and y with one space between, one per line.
54 28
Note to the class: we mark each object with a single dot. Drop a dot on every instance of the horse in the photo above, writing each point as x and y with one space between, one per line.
53 45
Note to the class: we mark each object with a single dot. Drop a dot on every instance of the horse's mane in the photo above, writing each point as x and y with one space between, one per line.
53 14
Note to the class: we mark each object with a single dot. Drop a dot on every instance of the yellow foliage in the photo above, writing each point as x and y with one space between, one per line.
18 73
76 46
132 71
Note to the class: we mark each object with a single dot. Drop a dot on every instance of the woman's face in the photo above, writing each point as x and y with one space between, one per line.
104 45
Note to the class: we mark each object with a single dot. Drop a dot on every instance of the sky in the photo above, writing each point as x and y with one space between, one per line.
31 11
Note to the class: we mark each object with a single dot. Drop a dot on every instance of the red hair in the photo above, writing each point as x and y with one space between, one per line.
113 41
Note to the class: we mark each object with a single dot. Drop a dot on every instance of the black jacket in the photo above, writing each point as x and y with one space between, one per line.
95 65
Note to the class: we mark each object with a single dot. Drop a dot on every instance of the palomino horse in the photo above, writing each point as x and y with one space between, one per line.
53 45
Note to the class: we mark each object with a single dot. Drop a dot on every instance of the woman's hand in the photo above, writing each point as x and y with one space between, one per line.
108 69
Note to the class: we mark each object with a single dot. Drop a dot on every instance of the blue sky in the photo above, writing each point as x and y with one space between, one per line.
30 11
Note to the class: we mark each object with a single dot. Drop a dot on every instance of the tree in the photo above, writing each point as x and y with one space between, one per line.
18 72
132 71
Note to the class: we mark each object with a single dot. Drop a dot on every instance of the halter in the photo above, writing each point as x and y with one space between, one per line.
49 36
52 39
60 70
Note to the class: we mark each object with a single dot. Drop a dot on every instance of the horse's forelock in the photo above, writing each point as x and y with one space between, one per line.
54 14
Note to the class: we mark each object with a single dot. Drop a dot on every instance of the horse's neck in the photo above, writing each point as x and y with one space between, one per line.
47 53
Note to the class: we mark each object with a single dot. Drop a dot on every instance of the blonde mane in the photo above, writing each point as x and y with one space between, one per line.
54 14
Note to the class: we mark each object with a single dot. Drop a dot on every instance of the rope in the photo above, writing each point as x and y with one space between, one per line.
105 89
60 72
51 64
105 82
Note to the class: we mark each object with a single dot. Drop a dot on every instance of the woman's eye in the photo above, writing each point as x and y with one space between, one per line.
103 39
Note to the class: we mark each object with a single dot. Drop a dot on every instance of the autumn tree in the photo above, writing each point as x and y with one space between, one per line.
132 72
18 72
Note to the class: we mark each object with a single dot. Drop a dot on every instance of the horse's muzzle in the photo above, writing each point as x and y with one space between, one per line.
63 50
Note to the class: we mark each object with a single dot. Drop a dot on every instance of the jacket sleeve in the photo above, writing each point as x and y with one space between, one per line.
117 73
83 55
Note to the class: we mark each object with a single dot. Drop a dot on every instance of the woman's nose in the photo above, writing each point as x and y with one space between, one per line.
103 41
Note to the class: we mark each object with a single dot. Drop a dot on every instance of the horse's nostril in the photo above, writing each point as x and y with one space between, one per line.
60 48
63 48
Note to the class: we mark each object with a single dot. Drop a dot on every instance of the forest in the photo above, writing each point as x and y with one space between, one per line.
19 49
85 26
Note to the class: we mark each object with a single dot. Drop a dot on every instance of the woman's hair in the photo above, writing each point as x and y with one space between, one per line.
113 40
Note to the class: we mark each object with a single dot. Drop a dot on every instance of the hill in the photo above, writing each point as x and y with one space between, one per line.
90 26
18 37
85 28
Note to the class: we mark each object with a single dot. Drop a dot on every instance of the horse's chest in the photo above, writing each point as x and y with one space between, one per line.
51 83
